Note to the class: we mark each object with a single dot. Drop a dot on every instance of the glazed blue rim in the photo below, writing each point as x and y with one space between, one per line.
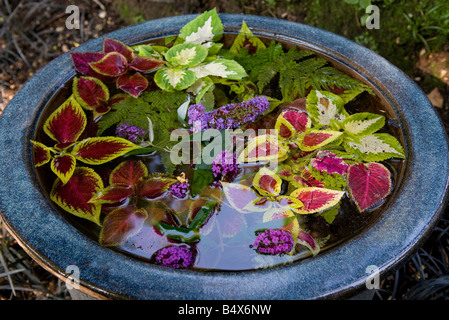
402 228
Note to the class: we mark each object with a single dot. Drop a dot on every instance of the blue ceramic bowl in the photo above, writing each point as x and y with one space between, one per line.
402 227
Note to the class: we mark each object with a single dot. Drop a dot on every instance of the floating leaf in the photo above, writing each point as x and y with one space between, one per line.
368 184
291 122
263 148
121 224
113 194
74 195
113 45
98 150
204 28
329 162
243 199
128 173
324 106
277 214
363 123
376 147
309 242
316 199
155 186
267 182
63 166
201 179
112 64
143 64
134 84
90 92
186 54
41 153
82 60
316 139
66 123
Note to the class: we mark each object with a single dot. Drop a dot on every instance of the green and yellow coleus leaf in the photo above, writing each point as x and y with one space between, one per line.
363 123
324 106
74 195
176 78
376 147
204 29
246 39
186 54
224 68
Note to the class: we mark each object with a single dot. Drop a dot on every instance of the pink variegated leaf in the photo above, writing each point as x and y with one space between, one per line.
90 92
74 195
63 166
128 173
121 224
145 64
99 150
330 163
309 242
112 64
263 148
368 184
66 123
112 45
133 84
243 199
154 186
315 139
316 199
291 122
41 153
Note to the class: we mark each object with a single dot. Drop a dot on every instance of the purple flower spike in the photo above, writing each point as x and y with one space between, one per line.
273 242
230 116
175 257
179 189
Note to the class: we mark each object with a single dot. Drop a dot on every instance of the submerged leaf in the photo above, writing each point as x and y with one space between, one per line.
368 184
121 224
243 199
74 195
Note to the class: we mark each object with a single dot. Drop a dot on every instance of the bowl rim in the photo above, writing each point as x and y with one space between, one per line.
404 226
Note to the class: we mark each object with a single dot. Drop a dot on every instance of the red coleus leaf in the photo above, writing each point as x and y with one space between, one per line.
66 123
317 138
316 199
309 242
113 194
112 64
134 84
154 187
98 150
111 45
117 98
121 224
41 153
263 148
90 92
74 195
330 163
128 173
291 122
63 166
82 60
368 184
143 64
267 182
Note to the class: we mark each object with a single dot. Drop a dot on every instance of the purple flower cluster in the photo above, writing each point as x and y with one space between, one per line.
129 132
225 166
175 257
179 189
273 241
230 116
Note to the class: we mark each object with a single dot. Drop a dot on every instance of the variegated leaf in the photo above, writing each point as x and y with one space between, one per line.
324 106
263 148
267 182
170 79
90 92
205 28
225 68
186 54
243 199
113 45
316 199
113 194
63 166
154 186
128 173
315 139
309 242
376 147
246 39
66 124
363 123
99 150
74 195
291 122
278 214
112 64
41 153
133 84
